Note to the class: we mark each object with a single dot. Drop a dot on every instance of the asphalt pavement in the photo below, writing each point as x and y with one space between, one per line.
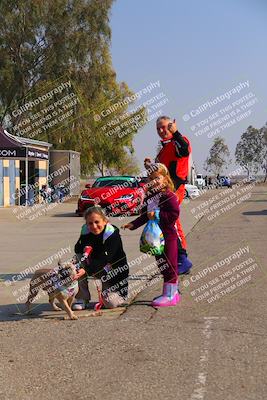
211 346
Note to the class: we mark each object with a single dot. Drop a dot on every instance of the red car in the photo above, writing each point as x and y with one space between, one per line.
116 194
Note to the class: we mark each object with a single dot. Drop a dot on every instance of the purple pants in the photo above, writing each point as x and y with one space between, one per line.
167 262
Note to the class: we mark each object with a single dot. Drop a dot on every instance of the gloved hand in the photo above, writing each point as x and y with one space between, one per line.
87 251
86 254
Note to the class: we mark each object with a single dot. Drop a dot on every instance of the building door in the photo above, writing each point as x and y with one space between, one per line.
31 182
1 184
22 178
12 182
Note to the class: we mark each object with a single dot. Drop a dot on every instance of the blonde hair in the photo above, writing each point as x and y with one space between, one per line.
163 170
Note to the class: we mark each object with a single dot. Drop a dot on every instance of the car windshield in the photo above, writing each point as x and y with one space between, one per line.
125 183
199 176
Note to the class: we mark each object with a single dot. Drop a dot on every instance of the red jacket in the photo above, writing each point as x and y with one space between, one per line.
175 155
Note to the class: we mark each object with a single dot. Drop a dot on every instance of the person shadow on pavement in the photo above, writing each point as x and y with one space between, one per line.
262 212
17 311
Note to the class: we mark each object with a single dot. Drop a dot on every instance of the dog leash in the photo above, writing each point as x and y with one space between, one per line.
100 303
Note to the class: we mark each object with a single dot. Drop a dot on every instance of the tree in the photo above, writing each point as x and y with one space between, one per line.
42 41
159 147
249 152
263 152
219 156
127 166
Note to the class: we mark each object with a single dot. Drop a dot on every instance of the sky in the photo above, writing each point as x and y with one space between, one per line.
199 51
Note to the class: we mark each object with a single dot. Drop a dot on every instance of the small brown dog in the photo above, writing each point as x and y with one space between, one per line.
59 285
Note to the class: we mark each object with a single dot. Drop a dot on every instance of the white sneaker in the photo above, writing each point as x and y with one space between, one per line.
79 305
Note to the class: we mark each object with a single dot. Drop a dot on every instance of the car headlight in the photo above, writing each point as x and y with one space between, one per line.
125 197
85 197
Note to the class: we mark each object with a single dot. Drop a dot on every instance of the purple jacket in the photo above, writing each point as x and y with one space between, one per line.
169 212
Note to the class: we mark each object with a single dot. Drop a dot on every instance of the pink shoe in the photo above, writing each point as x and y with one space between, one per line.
170 296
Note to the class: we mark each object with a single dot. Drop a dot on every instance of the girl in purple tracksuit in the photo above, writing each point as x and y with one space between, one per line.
160 197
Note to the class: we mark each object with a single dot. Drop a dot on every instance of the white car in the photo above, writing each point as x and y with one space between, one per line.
191 191
200 181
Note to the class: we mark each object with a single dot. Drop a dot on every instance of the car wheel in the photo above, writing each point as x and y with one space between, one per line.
108 211
137 209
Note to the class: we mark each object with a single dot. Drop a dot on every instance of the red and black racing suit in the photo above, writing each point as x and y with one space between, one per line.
174 155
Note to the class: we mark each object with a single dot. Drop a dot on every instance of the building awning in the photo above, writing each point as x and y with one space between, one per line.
18 147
